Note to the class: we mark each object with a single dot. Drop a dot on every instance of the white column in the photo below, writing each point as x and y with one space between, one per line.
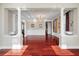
62 33
78 19
18 42
19 21
62 22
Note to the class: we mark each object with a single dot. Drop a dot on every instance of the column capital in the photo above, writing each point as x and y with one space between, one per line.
62 8
18 8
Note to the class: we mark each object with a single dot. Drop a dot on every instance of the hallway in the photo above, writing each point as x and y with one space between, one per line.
37 46
47 29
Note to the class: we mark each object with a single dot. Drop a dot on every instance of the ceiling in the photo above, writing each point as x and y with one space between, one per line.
40 13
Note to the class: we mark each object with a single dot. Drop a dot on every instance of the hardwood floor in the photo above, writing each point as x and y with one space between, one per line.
39 46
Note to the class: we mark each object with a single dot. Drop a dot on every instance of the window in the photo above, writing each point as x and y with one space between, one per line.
69 21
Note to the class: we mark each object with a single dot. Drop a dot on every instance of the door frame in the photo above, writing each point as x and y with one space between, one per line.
45 24
24 22
46 36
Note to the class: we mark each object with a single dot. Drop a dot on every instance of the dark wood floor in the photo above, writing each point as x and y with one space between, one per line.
40 46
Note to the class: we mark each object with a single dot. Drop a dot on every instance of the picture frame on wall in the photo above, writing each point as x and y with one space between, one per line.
32 25
56 25
40 25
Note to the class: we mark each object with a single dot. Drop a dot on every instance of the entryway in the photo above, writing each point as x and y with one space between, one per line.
39 22
48 30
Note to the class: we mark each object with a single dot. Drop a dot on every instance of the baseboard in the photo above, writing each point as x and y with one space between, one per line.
36 35
5 47
63 46
56 34
69 47
17 46
73 47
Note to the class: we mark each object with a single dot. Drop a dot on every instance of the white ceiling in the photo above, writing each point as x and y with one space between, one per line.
38 13
40 5
45 13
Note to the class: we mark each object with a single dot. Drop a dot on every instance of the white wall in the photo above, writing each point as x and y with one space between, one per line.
36 30
6 21
2 41
12 22
71 41
9 42
0 26
49 27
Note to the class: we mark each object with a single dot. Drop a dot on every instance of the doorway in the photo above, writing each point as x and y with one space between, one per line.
48 30
23 33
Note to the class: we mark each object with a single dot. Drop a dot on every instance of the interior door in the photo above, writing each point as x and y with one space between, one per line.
23 34
48 31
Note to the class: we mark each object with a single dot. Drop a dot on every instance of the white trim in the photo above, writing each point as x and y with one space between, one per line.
70 47
5 47
63 46
73 47
13 47
17 46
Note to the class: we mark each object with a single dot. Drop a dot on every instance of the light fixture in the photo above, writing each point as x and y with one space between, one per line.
34 20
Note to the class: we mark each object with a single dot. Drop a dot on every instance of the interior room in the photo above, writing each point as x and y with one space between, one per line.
39 29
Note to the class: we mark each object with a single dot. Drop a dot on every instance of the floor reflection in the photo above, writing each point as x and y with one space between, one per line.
39 46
